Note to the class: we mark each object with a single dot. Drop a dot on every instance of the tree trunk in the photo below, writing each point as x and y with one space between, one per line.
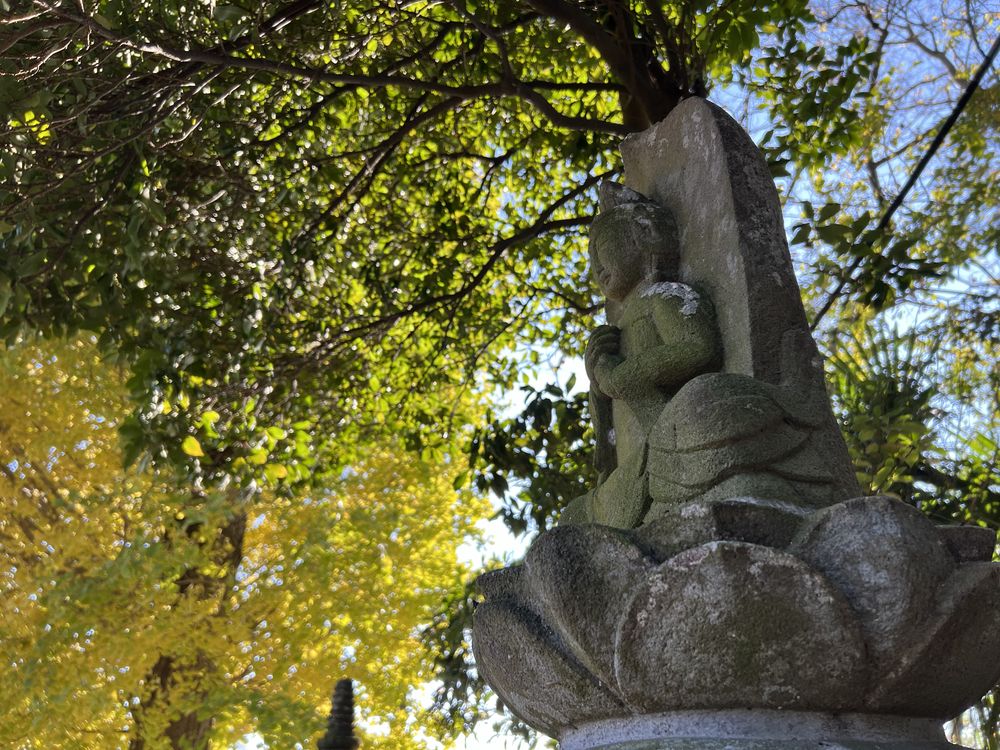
191 730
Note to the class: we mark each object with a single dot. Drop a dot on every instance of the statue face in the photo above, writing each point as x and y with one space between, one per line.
616 262
631 242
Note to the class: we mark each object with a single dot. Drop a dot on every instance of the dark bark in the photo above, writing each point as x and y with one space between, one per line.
191 730
629 49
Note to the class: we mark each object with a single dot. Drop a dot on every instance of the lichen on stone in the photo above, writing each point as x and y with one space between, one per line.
688 296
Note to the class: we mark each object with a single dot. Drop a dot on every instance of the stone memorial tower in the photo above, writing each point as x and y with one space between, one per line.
724 585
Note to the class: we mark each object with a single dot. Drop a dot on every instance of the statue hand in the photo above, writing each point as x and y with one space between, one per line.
604 345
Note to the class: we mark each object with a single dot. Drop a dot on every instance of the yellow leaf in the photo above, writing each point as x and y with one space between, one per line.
275 472
192 447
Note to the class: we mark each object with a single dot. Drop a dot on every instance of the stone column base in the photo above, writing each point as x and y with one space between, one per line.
757 730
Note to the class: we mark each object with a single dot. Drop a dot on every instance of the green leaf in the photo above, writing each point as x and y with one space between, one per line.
833 234
276 432
802 232
828 211
31 264
227 13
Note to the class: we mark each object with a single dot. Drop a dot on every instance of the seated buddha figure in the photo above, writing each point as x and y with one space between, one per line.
670 427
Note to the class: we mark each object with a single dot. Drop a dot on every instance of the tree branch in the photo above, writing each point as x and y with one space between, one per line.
313 75
942 133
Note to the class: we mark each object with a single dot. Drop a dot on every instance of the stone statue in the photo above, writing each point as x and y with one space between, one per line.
723 587
660 334
671 426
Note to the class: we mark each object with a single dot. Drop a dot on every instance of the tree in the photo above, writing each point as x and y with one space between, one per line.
342 216
305 209
123 627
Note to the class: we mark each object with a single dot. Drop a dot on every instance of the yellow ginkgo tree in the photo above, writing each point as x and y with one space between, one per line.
140 615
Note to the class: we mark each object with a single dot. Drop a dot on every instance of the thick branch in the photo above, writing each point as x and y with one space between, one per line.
311 74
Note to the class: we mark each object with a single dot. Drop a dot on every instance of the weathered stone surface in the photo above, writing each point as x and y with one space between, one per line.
732 624
707 171
701 165
741 729
740 575
705 383
582 578
792 744
769 523
867 610
725 435
518 655
969 543
954 658
502 583
888 560
717 424
660 335
730 405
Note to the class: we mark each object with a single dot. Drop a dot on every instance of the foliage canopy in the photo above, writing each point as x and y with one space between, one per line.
137 615
336 212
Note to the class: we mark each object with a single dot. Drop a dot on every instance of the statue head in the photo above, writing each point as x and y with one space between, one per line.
632 239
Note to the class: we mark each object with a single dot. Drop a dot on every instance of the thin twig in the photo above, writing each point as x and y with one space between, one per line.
963 100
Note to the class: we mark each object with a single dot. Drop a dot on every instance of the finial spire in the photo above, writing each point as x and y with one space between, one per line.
340 726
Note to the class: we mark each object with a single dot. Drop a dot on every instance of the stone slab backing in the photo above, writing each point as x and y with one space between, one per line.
699 163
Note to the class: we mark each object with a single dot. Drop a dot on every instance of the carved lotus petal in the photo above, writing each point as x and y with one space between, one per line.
519 656
583 576
733 624
887 559
871 609
953 659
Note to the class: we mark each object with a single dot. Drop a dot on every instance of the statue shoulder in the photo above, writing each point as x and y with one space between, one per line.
676 300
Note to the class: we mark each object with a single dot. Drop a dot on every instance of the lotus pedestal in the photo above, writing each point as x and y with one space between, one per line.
746 624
